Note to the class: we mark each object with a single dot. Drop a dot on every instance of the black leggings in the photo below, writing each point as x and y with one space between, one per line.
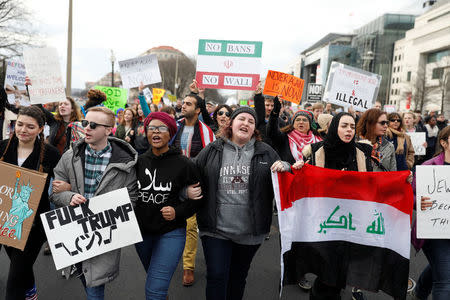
21 276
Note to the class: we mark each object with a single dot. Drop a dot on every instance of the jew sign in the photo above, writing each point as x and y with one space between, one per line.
433 182
20 193
348 86
143 69
115 97
286 85
228 64
76 233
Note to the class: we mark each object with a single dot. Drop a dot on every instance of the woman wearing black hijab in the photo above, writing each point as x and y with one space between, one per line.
338 151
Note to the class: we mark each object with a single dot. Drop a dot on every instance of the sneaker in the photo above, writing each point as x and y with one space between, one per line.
304 284
357 294
411 285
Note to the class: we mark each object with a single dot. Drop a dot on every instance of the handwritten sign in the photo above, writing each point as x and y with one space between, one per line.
147 94
348 86
143 69
157 95
417 140
44 71
433 182
289 86
390 108
77 233
115 97
15 83
20 194
228 64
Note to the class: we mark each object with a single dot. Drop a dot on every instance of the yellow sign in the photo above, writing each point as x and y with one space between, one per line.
157 95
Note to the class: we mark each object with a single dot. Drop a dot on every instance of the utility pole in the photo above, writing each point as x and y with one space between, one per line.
69 53
176 77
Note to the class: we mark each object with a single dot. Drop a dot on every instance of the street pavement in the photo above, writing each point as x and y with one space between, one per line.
262 281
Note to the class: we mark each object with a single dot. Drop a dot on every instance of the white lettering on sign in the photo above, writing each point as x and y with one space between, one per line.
210 79
241 48
315 89
237 81
213 47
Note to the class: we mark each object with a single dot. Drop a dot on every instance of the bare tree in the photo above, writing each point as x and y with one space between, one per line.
444 81
186 72
15 28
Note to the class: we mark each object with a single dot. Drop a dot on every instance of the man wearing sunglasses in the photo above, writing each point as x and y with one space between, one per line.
96 165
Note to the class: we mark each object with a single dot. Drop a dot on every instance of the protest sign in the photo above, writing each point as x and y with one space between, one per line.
43 69
105 223
347 86
115 97
172 98
228 64
157 95
243 102
389 108
314 92
433 182
143 69
15 83
289 86
147 94
20 194
417 140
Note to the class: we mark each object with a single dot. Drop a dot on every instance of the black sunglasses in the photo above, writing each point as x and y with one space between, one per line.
382 123
93 125
227 113
395 120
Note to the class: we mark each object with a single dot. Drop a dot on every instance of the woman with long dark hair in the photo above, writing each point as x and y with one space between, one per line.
27 148
221 117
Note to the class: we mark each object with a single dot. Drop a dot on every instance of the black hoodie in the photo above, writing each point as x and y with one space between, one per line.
160 181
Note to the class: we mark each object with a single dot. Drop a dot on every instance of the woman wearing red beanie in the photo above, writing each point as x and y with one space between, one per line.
163 173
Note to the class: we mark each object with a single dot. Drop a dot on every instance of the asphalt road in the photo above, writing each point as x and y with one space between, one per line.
262 282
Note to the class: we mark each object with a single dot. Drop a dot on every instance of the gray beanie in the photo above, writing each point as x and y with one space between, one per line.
244 109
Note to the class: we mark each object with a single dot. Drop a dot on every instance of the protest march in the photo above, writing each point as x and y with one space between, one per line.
212 163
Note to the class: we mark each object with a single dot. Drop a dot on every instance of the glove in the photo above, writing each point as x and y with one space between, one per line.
276 106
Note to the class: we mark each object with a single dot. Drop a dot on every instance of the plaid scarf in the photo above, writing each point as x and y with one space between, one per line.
376 154
94 166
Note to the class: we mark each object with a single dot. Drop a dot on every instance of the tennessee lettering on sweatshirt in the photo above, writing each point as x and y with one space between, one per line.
160 181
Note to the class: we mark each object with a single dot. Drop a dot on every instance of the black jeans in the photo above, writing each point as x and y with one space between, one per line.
21 276
227 265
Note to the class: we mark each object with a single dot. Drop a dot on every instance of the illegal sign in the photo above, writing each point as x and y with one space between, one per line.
228 64
289 86
43 69
20 194
143 69
115 97
347 86
15 83
314 92
433 182
105 223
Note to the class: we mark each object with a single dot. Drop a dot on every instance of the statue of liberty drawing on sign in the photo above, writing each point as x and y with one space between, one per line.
19 206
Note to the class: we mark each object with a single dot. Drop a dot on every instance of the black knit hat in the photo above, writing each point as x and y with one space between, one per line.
244 109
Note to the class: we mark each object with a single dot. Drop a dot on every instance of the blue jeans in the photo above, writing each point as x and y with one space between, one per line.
160 255
438 255
227 265
93 293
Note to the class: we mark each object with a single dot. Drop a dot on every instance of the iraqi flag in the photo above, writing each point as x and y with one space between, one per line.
348 228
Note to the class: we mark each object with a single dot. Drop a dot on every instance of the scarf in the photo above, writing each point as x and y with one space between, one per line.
298 141
400 135
376 154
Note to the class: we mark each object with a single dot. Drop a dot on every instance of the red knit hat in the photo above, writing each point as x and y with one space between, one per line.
163 117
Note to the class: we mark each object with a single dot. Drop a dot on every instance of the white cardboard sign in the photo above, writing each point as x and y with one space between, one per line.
433 182
77 233
348 86
417 140
15 83
143 69
44 71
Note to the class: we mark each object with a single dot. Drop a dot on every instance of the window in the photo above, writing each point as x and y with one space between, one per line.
395 58
437 56
394 70
393 80
399 56
397 80
392 92
408 76
437 73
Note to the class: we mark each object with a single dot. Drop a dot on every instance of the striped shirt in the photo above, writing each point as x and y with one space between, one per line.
94 166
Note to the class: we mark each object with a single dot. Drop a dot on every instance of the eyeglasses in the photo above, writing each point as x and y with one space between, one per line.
161 128
395 120
382 123
221 113
93 125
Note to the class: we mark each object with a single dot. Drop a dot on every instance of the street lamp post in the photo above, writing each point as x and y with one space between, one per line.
113 59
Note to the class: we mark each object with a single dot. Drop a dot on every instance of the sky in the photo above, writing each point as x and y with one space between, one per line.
131 27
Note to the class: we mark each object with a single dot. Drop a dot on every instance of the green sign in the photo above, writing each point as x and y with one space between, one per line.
243 102
115 97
